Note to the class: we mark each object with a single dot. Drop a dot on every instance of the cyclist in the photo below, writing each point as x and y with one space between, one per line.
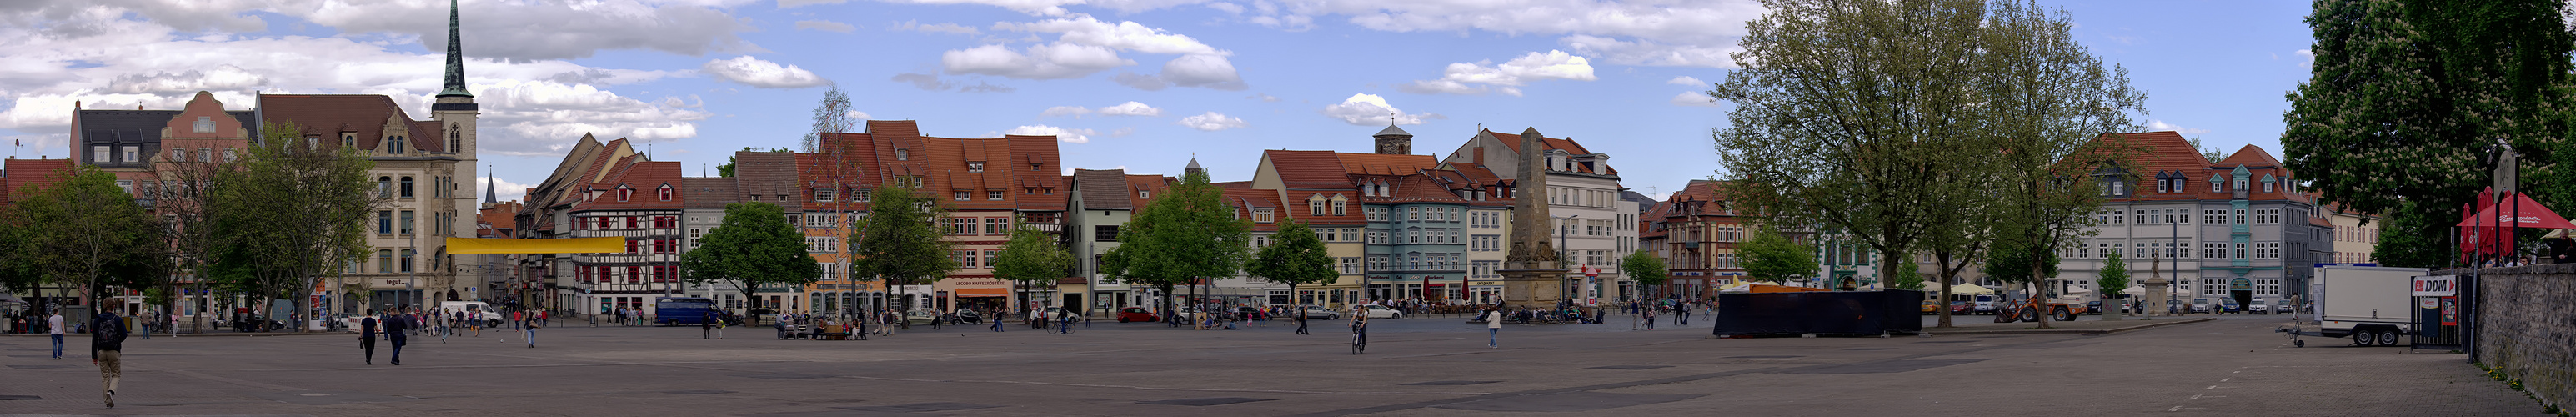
1064 319
1359 323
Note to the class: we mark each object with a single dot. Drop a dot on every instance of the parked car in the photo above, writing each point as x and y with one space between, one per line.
2200 305
921 317
1381 312
2093 307
2259 307
1985 307
347 321
1136 314
2229 306
1321 313
967 316
2284 307
1930 307
1961 307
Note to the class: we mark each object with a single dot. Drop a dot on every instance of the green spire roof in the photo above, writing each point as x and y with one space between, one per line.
455 58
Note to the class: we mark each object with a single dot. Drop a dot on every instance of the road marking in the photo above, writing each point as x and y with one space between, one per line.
2176 408
2224 379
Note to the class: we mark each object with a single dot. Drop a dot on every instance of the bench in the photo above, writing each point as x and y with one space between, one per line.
834 332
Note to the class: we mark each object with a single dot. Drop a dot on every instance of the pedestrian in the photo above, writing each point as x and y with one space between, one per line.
395 326
1682 317
107 349
367 335
1493 329
997 324
720 325
55 322
530 328
542 317
707 325
146 320
1650 318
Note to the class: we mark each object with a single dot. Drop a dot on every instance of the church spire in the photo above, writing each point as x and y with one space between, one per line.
455 57
489 197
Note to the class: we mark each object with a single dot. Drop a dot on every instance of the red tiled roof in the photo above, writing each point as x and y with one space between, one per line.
1155 183
1382 164
1513 141
646 178
1308 169
2166 152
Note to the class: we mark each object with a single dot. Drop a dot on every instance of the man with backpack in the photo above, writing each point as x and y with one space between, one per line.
106 348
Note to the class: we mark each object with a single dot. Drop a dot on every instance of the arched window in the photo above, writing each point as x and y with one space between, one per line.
384 186
455 138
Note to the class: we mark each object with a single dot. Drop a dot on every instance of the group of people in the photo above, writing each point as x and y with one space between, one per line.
397 328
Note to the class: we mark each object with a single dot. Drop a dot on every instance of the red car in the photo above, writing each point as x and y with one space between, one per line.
1136 314
1961 308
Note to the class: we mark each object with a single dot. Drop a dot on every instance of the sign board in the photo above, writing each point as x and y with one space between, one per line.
2437 286
2240 284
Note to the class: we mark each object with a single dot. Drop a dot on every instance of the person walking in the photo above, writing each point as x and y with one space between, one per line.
146 320
367 326
707 326
1681 316
997 323
55 322
1649 311
1493 329
395 326
530 330
107 349
1301 323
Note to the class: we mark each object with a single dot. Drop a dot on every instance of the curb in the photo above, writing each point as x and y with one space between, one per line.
2077 331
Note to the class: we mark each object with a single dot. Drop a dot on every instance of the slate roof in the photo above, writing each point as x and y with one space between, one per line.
707 193
131 126
1513 142
1104 189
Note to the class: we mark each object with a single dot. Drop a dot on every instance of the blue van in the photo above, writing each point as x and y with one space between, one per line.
672 311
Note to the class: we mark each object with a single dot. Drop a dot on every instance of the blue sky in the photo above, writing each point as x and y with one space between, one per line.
1141 84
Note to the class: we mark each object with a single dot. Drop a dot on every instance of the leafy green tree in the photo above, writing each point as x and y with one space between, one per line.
1295 257
1033 259
1188 235
87 232
2019 261
899 240
2051 119
1645 268
187 201
2399 248
1770 256
2405 99
753 248
2113 279
298 211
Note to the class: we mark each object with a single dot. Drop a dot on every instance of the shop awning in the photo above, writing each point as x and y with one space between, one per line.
468 245
1963 289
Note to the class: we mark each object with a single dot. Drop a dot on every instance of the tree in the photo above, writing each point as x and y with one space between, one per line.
2405 99
1187 235
1850 115
298 211
186 198
831 115
1032 259
726 169
2113 279
2399 248
2051 112
754 247
1960 240
898 241
86 231
1769 256
1295 257
1646 268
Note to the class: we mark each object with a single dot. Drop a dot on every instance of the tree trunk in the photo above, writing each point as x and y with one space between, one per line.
1942 304
2036 280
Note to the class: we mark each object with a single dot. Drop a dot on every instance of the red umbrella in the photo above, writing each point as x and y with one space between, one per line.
2522 213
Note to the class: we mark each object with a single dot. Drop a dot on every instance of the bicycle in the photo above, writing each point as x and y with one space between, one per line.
1359 340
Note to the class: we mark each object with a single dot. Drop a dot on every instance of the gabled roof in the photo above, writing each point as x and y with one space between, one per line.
646 178
708 193
1383 164
1104 189
1513 142
362 115
1308 169
2251 157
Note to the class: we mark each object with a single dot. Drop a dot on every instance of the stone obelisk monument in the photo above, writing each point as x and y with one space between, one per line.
1532 277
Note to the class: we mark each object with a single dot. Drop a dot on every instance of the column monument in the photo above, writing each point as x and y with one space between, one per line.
1532 276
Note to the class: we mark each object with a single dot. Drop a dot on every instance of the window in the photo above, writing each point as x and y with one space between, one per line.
2240 184
2240 251
133 154
966 259
395 145
974 167
180 154
385 222
455 138
861 195
822 244
2238 216
406 222
384 261
1104 233
2267 250
1261 241
623 193
666 192
993 195
997 225
1315 206
406 260
1262 216
1377 237
1350 266
1412 214
1339 206
823 195
901 154
1144 194
2267 187
203 125
962 196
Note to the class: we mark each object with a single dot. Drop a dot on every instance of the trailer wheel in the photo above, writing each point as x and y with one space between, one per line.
2365 338
2298 343
2388 337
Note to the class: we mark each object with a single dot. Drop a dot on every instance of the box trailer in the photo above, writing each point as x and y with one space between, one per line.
2372 305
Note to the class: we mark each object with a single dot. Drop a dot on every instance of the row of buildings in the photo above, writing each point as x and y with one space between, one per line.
2238 226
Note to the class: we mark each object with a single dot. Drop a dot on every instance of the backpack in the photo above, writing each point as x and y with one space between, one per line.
110 333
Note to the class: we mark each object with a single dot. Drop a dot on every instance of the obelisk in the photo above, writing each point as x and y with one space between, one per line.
1531 275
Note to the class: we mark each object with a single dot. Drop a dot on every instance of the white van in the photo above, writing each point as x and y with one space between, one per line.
475 310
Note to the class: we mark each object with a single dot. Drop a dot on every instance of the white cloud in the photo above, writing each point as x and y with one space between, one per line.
1694 98
859 115
924 81
505 190
1645 52
1066 135
529 30
764 74
1370 110
225 77
825 25
1121 109
1085 46
1686 80
544 117
1640 32
1552 65
1213 121
949 28
1130 109
2160 125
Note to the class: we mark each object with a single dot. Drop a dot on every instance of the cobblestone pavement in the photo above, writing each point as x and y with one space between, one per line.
1432 366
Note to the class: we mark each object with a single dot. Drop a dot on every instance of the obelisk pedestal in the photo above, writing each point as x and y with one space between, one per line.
1532 275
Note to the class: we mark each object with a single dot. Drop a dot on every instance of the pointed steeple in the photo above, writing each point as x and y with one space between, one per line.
489 197
455 57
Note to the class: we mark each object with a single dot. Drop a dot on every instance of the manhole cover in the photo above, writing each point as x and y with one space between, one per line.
20 398
1453 383
1631 367
1765 357
698 392
1887 367
919 407
1203 402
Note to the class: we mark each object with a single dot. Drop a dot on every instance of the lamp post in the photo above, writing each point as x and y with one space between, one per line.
1564 227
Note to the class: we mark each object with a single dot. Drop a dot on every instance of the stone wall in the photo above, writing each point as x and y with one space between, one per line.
2527 325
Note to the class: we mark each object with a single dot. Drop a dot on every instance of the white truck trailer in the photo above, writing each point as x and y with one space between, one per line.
2373 305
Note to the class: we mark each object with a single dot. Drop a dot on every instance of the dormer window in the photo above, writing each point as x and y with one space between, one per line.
624 193
348 140
2240 184
666 192
2217 185
2267 187
901 154
974 167
203 125
1144 194
1340 206
1262 216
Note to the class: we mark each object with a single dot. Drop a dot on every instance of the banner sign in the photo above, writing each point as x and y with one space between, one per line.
2437 286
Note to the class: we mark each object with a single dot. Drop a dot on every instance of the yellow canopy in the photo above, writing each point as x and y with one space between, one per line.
1962 289
468 245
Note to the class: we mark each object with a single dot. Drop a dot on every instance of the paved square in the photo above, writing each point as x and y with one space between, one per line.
1433 366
